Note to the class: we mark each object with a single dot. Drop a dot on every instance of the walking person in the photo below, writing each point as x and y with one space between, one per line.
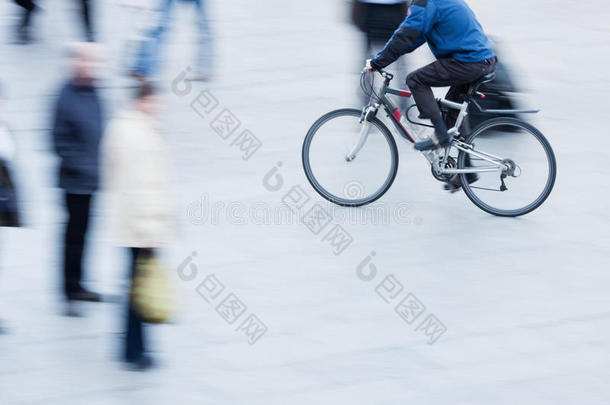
30 8
9 212
77 132
137 175
148 57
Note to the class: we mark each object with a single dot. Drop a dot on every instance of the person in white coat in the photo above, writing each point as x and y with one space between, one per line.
136 172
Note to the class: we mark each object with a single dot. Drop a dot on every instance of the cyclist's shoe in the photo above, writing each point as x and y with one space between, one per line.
454 184
437 140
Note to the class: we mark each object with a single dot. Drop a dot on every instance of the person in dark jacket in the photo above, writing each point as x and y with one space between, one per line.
77 132
463 51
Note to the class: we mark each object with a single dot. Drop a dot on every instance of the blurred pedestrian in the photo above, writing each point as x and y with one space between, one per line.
137 175
30 8
378 19
23 29
150 48
77 132
9 213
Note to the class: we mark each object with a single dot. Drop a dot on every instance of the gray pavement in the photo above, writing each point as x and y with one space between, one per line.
523 303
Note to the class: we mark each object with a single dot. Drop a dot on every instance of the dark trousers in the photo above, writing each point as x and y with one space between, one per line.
441 73
28 8
78 206
86 16
134 341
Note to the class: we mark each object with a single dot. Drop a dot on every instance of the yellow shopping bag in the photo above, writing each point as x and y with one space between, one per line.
151 292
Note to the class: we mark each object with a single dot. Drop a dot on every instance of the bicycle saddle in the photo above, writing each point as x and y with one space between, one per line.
475 85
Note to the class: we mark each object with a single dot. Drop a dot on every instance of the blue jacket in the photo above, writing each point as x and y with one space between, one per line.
450 28
77 132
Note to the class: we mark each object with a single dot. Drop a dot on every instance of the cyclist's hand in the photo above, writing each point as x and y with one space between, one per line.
367 66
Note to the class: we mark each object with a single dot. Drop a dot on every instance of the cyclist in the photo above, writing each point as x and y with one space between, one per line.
463 51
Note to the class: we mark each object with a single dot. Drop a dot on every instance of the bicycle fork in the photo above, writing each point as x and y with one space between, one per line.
366 118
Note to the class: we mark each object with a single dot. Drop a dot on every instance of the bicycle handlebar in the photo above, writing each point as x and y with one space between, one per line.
382 72
385 74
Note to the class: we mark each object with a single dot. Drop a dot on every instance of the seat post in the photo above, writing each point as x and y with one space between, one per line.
460 118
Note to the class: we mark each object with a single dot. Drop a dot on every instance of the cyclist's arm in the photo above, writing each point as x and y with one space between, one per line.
407 38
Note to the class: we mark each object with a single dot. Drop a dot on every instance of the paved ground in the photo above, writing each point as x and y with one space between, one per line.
524 302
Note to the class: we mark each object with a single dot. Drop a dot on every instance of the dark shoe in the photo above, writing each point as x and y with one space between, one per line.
85 295
454 184
141 363
437 140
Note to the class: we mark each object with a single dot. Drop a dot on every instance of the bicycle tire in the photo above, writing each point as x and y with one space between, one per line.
319 188
508 121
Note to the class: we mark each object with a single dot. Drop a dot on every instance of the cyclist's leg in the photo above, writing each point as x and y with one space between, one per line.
455 94
443 72
420 83
457 91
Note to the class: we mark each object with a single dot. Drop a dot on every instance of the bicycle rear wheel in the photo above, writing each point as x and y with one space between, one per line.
525 151
349 183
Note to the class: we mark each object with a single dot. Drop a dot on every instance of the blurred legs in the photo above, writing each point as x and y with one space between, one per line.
135 342
76 228
204 43
148 57
86 17
23 29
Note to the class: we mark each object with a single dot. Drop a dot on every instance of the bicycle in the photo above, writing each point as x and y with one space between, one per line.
351 159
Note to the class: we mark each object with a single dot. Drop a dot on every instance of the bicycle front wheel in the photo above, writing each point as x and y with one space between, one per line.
349 183
530 163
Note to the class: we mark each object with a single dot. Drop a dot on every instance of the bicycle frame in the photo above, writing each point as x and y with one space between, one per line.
497 164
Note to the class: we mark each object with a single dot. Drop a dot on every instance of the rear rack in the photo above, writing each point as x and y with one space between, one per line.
501 112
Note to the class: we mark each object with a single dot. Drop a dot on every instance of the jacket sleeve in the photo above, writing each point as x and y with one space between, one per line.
408 37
